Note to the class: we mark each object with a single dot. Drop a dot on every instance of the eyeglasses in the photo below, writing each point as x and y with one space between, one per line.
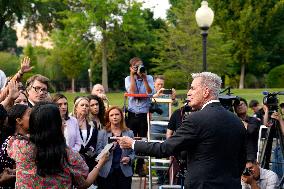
38 90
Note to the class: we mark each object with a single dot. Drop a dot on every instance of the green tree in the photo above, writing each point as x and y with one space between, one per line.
136 36
103 15
252 26
71 49
180 45
8 39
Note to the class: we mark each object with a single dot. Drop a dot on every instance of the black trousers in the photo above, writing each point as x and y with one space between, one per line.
138 124
115 180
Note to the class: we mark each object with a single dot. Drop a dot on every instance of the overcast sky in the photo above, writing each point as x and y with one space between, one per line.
159 7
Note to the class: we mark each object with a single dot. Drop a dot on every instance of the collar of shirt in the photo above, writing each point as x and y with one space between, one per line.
32 103
261 174
209 102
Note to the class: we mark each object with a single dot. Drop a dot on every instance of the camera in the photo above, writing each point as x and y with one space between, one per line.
167 91
228 100
271 101
140 69
247 172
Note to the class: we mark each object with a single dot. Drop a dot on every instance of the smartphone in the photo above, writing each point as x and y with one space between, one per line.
167 91
111 139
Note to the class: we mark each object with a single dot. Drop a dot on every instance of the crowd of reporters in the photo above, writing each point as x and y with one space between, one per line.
46 146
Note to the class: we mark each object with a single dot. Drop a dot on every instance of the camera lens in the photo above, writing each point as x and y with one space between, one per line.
141 69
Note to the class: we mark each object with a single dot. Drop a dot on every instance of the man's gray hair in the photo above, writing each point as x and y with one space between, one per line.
210 80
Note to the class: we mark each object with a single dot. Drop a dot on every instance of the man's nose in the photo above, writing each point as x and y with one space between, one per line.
188 93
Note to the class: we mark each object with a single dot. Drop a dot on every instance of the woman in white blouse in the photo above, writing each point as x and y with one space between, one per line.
71 126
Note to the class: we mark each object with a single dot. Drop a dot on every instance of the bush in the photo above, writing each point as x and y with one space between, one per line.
251 81
275 78
9 63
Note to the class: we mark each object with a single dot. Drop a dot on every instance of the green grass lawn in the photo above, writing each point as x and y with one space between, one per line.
118 97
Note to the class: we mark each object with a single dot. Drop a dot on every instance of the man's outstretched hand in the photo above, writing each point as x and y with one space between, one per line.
125 142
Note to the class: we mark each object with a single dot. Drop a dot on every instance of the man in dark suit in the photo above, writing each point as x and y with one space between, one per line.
37 89
213 137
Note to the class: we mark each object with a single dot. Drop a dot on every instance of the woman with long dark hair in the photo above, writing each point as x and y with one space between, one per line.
97 111
70 123
43 160
18 124
117 172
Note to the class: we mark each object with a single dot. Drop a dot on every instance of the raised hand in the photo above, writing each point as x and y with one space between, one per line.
13 90
25 65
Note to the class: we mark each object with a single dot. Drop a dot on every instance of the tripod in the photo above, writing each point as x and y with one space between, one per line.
272 132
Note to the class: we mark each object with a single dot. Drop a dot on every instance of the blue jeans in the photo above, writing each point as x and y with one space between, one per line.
277 161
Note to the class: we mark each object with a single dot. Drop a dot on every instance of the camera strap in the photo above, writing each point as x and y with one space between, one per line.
138 83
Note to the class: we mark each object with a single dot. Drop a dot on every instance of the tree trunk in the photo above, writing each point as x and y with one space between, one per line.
2 24
73 85
242 76
104 63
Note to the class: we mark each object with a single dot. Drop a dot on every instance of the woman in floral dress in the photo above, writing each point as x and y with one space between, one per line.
43 160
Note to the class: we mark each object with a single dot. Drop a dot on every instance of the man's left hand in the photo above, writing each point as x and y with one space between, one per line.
125 142
247 179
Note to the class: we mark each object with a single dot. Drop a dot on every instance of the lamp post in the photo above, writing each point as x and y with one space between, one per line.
204 17
90 79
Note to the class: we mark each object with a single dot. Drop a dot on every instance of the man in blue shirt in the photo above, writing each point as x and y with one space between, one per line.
138 82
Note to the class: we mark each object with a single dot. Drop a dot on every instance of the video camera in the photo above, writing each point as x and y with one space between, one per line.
271 100
228 100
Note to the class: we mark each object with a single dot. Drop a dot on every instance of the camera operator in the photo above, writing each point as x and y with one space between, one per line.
256 177
257 109
138 83
176 119
161 113
252 126
164 107
276 116
277 157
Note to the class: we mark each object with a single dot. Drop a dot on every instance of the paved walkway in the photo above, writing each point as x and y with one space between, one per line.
138 183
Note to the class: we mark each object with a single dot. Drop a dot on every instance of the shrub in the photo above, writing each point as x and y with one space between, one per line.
275 78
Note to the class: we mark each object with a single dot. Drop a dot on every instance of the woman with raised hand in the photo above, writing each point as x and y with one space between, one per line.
43 160
97 111
88 132
70 123
117 172
18 124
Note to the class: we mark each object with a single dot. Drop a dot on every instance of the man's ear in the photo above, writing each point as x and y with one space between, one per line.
206 92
